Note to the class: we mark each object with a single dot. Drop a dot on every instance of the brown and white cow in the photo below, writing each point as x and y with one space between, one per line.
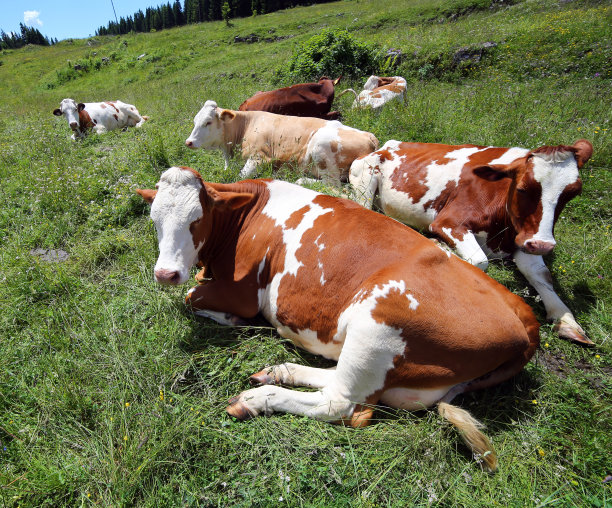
409 324
99 116
304 99
325 149
483 201
377 91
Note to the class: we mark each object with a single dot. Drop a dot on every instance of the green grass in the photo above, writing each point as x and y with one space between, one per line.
112 393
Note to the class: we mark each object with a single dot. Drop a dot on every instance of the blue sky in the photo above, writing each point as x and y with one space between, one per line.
62 19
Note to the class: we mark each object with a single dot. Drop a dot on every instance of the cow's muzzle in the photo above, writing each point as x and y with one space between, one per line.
164 276
538 247
74 126
189 144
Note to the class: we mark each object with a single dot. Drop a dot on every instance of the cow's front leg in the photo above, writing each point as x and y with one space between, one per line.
249 168
464 242
265 400
223 318
227 304
538 275
294 375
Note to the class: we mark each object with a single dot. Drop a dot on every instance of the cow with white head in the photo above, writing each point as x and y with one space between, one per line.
410 325
98 116
483 201
323 149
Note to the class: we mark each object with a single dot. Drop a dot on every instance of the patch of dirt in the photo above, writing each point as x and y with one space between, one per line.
556 363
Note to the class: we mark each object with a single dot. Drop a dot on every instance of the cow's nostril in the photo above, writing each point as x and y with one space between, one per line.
164 276
189 143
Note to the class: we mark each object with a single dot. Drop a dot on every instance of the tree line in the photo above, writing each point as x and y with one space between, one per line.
195 11
27 35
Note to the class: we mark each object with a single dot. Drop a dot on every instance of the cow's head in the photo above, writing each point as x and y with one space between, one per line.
543 182
182 209
209 127
70 109
372 83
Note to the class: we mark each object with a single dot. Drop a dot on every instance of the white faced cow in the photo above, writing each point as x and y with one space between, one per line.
325 149
482 201
409 324
377 91
99 116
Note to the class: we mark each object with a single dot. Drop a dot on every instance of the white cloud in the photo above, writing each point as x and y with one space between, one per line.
31 18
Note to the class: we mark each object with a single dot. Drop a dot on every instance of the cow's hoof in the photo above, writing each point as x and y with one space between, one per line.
568 332
238 410
262 377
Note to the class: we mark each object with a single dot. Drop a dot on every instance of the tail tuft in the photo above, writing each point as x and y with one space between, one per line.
468 427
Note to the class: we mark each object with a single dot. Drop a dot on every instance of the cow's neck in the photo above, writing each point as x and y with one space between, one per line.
232 137
226 227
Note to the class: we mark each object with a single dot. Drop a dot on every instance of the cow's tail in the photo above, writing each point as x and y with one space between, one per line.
469 427
347 90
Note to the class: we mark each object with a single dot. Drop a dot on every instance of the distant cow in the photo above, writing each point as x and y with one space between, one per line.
482 201
99 116
377 91
325 149
409 324
305 99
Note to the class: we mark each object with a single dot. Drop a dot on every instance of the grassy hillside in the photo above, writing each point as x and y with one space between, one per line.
112 393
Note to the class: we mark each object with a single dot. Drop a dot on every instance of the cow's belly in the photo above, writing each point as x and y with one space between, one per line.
413 399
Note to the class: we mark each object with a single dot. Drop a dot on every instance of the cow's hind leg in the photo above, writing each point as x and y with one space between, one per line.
349 391
294 375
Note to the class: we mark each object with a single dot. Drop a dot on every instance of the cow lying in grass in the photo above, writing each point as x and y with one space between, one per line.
99 116
409 324
324 149
377 91
483 202
304 99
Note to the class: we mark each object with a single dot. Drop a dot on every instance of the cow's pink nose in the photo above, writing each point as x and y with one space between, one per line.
164 276
539 247
189 143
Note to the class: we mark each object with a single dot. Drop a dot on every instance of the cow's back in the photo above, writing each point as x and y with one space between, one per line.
305 99
417 180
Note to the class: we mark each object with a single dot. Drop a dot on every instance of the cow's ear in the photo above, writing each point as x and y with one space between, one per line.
147 194
80 107
226 115
584 150
229 200
494 172
57 112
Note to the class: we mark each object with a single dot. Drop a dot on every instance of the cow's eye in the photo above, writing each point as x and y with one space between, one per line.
521 190
207 123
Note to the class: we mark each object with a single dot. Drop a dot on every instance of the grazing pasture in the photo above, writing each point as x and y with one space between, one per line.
113 393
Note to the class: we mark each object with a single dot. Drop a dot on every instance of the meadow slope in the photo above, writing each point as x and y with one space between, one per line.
112 393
